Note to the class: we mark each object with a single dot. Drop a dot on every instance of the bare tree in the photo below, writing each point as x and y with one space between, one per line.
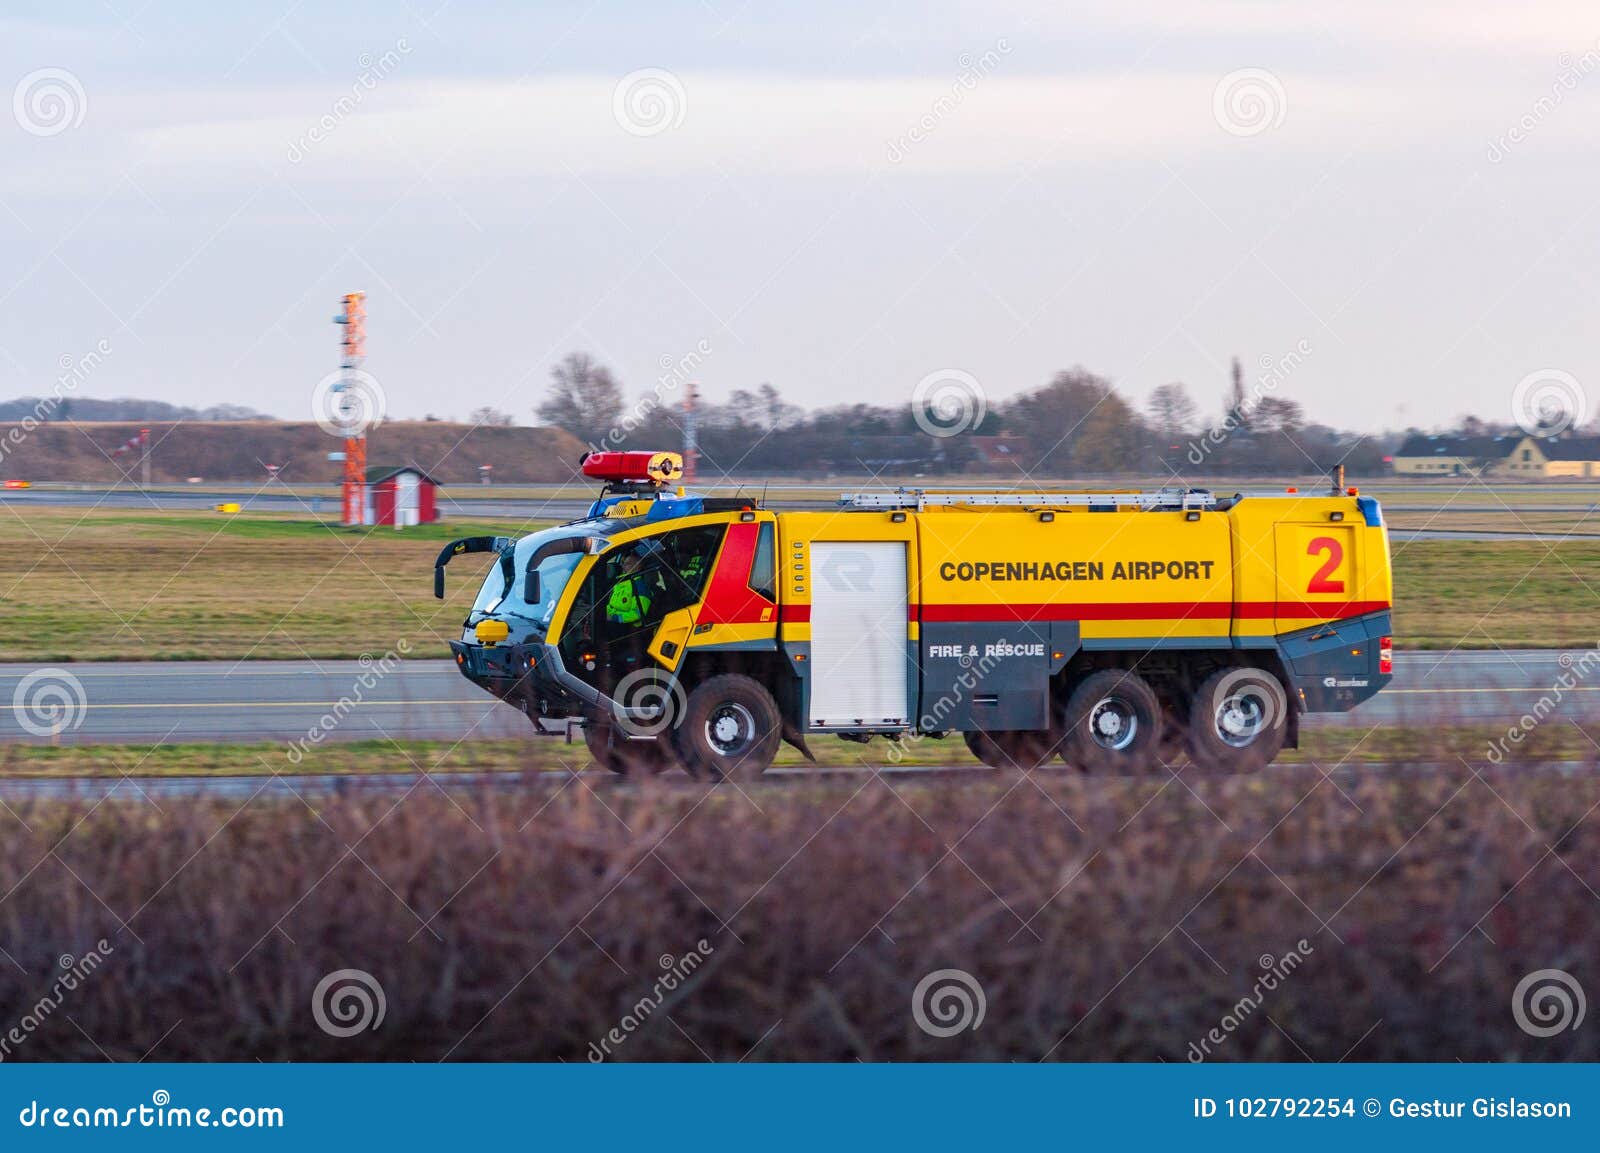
777 412
1236 412
584 398
1172 411
1278 414
491 418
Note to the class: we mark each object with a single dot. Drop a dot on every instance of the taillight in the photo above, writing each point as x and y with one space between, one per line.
1386 655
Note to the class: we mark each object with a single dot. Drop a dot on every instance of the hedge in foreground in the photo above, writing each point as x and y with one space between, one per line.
1388 914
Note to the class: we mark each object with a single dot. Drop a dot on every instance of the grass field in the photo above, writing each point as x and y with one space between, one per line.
122 585
114 585
1442 743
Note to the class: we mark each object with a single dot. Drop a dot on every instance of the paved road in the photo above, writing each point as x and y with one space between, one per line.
1405 535
249 701
283 700
563 509
527 508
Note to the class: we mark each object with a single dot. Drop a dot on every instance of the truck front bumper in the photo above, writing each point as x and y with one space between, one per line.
524 676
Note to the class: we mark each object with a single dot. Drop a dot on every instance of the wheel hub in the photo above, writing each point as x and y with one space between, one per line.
1239 720
729 728
1113 724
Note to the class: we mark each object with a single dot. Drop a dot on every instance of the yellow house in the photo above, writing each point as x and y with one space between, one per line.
1555 456
1452 455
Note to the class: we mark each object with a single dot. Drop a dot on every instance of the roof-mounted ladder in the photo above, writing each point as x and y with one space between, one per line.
919 499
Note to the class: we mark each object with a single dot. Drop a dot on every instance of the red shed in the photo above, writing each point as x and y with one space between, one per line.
401 495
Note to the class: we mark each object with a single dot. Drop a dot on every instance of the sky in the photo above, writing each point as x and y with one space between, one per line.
1397 201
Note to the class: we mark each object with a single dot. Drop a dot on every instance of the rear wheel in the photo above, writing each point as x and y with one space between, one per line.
1238 721
731 728
982 746
611 749
1017 749
1113 723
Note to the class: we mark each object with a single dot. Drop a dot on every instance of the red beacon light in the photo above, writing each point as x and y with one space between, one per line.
657 468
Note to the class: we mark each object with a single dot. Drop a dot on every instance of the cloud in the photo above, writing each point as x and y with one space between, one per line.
458 132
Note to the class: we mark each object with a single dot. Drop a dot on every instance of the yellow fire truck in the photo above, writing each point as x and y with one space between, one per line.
1119 631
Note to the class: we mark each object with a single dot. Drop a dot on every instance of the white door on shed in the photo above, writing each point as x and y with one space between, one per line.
405 499
858 633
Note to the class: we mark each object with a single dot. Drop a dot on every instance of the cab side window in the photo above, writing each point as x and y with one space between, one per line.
764 565
639 583
686 558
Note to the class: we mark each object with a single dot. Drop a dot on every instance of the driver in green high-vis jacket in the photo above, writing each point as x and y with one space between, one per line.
630 598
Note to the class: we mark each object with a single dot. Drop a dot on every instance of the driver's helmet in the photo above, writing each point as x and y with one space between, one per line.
648 552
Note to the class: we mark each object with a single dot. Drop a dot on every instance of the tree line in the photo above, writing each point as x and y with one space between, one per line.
1077 423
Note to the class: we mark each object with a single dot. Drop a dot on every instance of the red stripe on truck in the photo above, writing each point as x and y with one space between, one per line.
1151 610
1131 611
801 614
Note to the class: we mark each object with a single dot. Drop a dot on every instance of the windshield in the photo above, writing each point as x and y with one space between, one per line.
554 572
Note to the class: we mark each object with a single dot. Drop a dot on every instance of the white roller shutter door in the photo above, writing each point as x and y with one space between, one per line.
858 633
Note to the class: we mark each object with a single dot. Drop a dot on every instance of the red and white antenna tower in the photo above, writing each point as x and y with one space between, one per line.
353 350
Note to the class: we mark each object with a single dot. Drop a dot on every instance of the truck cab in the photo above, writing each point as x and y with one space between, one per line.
591 624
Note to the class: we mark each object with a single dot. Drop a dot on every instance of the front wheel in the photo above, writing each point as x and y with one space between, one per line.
1238 721
611 749
1113 723
730 728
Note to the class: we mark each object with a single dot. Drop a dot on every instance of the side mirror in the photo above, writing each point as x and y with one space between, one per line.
498 544
530 586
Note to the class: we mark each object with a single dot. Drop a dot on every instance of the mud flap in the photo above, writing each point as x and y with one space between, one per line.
795 737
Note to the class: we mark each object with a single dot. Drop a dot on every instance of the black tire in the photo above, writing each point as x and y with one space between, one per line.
1012 749
613 750
1238 721
730 729
1113 724
982 746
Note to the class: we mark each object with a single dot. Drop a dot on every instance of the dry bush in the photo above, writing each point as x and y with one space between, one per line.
1103 919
